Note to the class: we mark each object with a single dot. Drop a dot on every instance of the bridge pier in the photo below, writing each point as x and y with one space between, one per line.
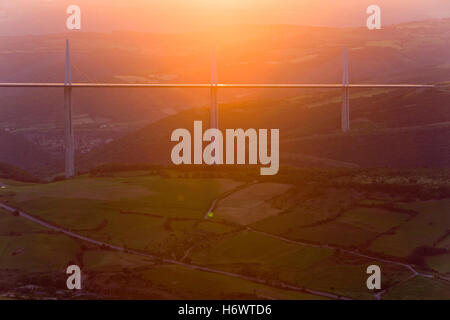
214 122
345 112
214 108
69 139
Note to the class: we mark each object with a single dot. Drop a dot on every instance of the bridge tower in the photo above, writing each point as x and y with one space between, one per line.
69 139
345 112
214 104
214 122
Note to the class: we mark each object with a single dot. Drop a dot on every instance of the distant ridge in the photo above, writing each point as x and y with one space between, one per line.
390 129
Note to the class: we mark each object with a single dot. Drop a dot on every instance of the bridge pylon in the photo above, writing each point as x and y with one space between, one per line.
214 113
345 111
69 138
214 102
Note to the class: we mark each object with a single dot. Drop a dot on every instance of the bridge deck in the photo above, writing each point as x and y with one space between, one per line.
237 86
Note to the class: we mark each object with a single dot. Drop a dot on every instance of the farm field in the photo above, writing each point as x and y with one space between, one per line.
250 205
280 239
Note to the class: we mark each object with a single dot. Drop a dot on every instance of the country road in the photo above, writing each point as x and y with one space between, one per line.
378 295
325 246
328 246
278 285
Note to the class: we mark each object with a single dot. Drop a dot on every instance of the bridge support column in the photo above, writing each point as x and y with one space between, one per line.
214 122
345 112
214 103
214 108
69 139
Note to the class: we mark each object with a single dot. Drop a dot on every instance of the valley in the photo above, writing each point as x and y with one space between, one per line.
279 54
141 227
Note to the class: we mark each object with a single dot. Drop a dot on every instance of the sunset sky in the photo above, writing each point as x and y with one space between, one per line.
48 16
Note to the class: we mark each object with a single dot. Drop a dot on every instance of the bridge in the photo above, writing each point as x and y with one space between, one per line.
214 86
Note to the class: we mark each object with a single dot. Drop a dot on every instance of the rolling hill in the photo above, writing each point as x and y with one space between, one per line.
15 150
411 52
390 129
10 172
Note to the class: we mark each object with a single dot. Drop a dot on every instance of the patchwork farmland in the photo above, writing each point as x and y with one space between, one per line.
306 234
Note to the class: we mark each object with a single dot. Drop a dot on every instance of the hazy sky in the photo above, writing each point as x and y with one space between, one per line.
48 16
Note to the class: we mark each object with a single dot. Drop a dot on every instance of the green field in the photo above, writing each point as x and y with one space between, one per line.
431 223
278 233
251 204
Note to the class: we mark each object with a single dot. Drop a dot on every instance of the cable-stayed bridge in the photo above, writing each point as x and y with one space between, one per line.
214 86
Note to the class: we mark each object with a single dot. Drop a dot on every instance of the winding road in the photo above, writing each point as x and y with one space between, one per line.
278 285
378 295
